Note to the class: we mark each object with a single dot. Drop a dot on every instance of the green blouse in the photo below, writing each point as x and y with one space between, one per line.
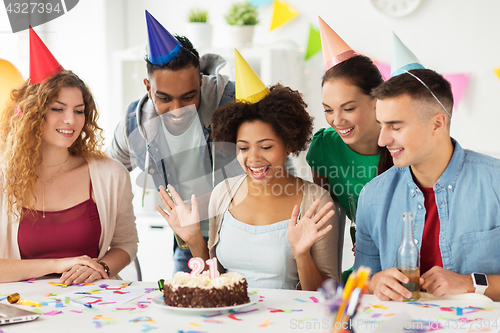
346 170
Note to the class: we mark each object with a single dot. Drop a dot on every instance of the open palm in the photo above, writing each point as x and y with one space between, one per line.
184 222
304 233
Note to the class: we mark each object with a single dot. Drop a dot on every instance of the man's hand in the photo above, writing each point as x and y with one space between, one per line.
439 282
386 285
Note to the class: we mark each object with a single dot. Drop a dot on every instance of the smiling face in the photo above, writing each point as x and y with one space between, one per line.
64 119
171 91
408 137
352 114
261 152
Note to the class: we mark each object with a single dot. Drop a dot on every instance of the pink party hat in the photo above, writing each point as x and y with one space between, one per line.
335 50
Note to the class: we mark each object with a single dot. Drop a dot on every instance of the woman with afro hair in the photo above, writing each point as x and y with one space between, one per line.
277 230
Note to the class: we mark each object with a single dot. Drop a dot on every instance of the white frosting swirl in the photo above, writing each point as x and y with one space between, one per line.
183 279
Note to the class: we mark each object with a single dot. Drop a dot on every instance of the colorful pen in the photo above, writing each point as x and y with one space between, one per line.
81 302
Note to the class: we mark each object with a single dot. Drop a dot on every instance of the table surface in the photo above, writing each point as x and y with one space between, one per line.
276 311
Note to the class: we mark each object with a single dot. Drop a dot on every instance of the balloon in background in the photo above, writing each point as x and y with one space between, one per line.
10 78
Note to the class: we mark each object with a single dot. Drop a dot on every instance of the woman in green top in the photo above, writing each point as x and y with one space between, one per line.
346 156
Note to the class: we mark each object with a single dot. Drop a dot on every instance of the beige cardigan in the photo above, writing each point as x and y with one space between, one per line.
324 251
113 196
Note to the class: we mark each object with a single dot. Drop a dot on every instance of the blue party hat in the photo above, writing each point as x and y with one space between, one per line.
403 59
163 47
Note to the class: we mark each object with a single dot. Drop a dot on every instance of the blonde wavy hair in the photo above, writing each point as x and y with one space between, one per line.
21 136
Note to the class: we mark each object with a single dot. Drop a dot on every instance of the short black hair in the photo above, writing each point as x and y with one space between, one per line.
405 84
283 108
188 56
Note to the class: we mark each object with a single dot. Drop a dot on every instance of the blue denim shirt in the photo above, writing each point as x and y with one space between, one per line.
468 202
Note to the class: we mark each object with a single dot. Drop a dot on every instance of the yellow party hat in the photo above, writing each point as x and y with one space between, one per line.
249 87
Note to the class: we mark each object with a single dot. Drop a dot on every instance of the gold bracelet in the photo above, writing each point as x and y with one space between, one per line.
106 267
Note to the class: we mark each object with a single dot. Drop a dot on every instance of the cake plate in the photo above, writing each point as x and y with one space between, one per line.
158 301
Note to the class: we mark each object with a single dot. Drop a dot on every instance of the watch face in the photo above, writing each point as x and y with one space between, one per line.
480 279
396 8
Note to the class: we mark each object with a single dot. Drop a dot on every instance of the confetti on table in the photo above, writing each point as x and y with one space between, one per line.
120 292
106 303
148 290
52 313
265 323
141 306
148 328
126 284
275 310
195 324
445 309
298 299
94 302
125 309
104 286
239 312
136 320
102 317
209 320
379 306
314 299
29 281
389 314
213 315
36 310
376 315
57 284
59 305
305 319
75 311
233 317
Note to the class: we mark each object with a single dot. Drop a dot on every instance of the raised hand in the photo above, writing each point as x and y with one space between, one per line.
304 233
184 222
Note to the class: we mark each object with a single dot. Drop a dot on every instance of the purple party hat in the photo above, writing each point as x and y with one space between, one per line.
163 47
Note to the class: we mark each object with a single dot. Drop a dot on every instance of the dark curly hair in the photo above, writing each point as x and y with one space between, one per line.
284 109
188 56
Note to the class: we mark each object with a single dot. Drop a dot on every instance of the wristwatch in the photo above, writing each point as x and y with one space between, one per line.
105 266
480 282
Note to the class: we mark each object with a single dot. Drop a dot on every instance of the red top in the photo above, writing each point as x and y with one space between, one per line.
67 233
430 254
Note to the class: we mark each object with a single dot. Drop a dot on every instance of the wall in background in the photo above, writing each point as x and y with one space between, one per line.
450 36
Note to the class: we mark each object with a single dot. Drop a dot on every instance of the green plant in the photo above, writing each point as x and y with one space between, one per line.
242 13
198 15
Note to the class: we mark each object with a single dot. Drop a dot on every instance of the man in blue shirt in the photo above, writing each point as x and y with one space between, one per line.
414 110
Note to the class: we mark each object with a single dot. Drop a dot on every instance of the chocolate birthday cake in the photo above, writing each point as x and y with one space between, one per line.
202 292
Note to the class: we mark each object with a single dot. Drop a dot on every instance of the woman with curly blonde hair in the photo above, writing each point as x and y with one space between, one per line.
64 207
